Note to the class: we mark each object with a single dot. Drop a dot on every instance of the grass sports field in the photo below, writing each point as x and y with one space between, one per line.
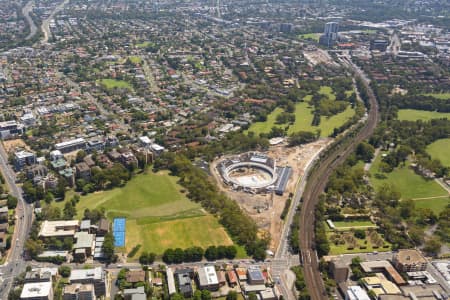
310 36
158 214
415 114
304 117
135 59
440 150
410 185
113 83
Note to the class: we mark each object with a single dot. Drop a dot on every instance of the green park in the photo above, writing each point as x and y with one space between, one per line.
426 192
115 84
415 114
158 214
304 117
440 150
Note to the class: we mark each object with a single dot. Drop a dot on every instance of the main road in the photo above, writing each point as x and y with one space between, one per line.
316 185
15 263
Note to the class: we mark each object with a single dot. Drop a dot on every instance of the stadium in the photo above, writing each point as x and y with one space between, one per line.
254 172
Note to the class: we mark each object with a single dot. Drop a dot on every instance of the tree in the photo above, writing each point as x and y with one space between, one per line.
108 247
14 294
69 210
176 296
232 295
211 253
301 137
64 271
252 296
206 295
432 246
360 234
365 151
147 258
11 202
198 295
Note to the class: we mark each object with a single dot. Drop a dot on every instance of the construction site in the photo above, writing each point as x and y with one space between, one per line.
261 183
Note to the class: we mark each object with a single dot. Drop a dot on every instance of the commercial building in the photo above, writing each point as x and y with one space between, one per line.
380 45
409 260
58 229
255 276
78 291
339 271
384 267
355 292
37 291
207 278
330 34
23 158
10 129
94 276
71 145
380 285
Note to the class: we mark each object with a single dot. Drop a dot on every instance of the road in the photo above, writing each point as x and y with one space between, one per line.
26 13
15 264
315 187
46 23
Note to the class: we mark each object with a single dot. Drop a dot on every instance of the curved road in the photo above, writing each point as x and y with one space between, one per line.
316 185
26 13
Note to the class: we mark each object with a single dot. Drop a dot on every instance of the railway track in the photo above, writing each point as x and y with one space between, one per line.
315 187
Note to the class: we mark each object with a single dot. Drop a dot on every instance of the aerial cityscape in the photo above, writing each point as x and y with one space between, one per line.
230 150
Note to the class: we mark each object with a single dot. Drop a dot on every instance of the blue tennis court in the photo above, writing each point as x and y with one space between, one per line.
119 239
119 232
119 224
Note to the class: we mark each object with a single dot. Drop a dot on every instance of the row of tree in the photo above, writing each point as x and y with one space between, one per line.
194 254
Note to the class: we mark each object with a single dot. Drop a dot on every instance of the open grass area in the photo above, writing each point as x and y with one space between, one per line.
346 242
135 59
310 36
200 231
415 114
409 184
113 83
327 91
440 150
303 120
352 224
435 204
158 214
442 96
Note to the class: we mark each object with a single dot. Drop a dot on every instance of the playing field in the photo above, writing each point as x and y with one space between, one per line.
135 59
440 150
435 204
415 114
410 185
310 36
157 214
113 83
303 120
201 231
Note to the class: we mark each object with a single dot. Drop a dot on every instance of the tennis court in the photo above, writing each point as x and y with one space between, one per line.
119 232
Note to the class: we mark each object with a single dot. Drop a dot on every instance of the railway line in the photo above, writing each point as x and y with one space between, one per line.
315 187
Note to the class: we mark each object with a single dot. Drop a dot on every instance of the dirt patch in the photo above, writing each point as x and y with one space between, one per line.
266 208
12 145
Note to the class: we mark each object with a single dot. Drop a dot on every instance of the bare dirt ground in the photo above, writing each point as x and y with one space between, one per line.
319 56
266 209
12 145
